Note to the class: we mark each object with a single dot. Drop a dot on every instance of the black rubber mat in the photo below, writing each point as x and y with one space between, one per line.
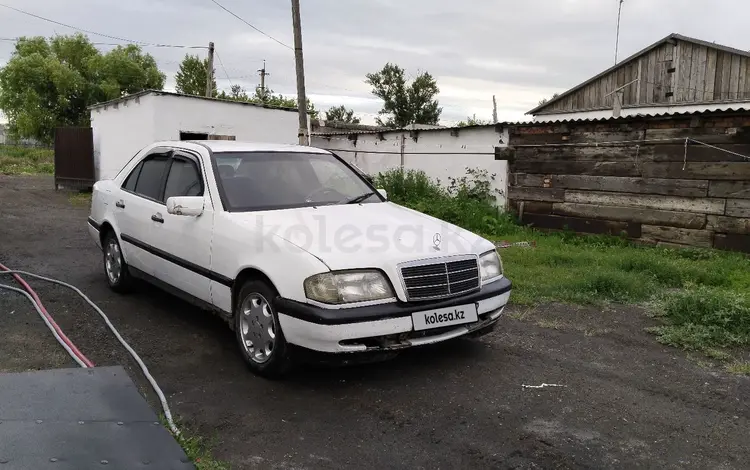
81 419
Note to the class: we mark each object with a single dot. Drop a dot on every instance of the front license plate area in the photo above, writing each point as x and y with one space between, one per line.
442 317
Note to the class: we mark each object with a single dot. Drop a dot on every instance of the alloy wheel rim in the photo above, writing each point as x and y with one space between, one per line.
257 328
113 262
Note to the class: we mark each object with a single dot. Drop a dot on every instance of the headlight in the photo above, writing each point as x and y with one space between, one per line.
490 265
347 287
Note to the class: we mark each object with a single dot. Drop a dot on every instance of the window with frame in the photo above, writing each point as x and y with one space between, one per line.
132 178
184 179
150 176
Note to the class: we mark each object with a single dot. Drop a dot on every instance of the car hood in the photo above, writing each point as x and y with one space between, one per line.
378 235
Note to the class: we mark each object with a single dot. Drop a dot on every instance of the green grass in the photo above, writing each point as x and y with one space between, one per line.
739 368
19 160
199 452
80 199
696 293
198 449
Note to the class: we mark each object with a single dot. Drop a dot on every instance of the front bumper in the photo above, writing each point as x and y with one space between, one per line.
383 327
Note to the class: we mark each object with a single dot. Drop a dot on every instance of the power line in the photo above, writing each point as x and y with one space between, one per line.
224 69
140 43
243 20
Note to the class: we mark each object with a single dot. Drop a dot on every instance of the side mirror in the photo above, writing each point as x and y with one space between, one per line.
383 193
191 206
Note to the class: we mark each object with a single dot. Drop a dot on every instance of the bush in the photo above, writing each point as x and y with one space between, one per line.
468 202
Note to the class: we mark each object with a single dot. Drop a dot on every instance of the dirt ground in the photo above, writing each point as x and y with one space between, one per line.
625 401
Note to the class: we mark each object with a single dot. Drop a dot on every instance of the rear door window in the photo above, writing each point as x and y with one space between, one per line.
151 177
133 178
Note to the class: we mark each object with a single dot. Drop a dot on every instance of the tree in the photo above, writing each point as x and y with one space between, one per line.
268 98
341 114
544 100
403 103
236 93
49 83
473 121
192 76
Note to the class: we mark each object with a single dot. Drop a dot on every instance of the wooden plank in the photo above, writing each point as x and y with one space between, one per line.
668 203
585 154
742 84
525 179
730 189
667 187
746 90
738 208
710 79
696 153
685 61
628 90
580 225
734 77
650 76
683 236
576 168
726 71
709 135
732 242
697 170
640 87
631 214
719 223
661 77
674 78
519 193
698 73
533 207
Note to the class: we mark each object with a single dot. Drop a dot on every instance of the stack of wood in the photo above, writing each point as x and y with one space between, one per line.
636 177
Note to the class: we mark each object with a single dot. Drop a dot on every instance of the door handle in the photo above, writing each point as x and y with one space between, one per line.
120 204
157 218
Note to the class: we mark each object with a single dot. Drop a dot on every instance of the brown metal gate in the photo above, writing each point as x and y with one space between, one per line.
74 157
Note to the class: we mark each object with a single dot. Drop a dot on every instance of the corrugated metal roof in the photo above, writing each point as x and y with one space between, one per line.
728 109
671 37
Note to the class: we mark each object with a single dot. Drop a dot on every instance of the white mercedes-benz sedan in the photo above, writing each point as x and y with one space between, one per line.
295 248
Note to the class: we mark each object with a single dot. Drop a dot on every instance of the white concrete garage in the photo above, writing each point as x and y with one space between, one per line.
124 126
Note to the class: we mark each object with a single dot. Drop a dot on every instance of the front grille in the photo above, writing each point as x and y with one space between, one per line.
434 280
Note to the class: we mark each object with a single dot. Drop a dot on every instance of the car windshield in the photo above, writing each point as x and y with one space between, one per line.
278 180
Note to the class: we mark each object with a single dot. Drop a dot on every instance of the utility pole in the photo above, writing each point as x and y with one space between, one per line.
617 38
300 65
210 71
263 75
494 110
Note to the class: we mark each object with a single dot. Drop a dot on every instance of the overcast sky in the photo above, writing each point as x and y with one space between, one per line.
519 50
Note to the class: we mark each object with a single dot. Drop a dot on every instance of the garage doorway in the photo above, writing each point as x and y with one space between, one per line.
204 136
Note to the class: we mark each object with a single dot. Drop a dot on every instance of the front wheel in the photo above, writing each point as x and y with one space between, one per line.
259 335
118 276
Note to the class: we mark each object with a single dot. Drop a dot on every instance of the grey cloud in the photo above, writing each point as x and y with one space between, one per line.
520 50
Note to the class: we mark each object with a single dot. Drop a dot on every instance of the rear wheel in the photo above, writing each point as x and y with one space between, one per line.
259 335
118 276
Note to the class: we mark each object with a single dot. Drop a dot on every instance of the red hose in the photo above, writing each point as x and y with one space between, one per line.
38 301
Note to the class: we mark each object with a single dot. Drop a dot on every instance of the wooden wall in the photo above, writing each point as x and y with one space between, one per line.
572 176
673 72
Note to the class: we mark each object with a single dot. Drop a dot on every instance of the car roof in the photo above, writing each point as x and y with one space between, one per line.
238 146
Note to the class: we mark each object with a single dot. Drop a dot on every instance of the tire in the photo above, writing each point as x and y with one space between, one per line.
115 270
256 322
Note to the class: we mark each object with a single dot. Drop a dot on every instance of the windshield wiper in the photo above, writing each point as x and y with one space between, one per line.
358 199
